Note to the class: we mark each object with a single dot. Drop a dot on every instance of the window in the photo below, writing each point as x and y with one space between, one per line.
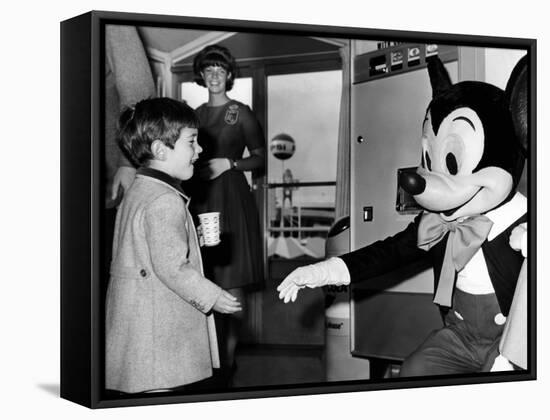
306 107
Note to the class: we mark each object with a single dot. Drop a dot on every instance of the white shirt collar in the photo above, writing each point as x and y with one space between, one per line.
503 216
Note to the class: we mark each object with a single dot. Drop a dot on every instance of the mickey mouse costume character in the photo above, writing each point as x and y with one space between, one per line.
470 167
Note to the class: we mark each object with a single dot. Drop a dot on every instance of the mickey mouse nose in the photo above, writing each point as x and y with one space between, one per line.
413 183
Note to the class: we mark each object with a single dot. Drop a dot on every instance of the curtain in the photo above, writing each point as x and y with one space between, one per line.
343 157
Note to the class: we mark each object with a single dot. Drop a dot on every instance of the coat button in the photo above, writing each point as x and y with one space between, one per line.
500 319
143 273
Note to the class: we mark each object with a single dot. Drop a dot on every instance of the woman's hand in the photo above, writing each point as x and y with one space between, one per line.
227 304
200 236
214 168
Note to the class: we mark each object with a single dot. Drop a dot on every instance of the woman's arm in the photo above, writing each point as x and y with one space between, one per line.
255 143
256 160
127 62
217 166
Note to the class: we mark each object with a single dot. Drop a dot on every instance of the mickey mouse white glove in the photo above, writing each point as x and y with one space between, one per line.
518 239
332 271
501 364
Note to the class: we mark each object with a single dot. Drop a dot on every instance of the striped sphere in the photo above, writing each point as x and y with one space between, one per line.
282 146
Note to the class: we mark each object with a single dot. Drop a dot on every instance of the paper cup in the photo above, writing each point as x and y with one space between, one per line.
210 223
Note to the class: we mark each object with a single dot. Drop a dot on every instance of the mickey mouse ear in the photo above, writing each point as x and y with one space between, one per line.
439 77
516 94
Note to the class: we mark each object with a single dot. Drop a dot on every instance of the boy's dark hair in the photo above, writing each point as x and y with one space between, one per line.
215 55
149 120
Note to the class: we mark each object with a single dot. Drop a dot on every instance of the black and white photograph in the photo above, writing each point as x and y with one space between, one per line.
293 210
277 211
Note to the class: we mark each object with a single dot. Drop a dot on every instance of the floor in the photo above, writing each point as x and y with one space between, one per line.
278 365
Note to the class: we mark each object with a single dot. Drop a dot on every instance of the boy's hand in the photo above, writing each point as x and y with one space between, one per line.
227 304
214 168
124 177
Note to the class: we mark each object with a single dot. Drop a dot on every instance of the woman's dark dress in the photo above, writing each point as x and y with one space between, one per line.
224 132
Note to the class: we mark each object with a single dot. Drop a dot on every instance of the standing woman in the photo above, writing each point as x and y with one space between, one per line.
227 127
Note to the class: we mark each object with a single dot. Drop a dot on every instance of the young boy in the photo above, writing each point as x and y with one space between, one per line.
159 331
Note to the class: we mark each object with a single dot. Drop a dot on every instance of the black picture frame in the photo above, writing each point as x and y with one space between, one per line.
82 74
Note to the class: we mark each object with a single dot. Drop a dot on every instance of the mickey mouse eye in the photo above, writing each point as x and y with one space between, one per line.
452 164
452 156
428 161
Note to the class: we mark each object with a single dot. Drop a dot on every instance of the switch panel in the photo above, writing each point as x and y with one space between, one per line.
367 214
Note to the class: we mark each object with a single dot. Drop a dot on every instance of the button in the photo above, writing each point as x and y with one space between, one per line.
143 273
196 305
500 319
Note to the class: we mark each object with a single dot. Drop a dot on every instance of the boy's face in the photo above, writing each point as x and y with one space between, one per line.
180 160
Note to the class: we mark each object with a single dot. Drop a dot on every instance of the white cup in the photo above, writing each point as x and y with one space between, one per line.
210 225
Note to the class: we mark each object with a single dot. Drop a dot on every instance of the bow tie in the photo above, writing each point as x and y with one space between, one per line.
465 239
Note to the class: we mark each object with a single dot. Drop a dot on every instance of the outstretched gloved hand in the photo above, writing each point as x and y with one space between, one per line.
332 271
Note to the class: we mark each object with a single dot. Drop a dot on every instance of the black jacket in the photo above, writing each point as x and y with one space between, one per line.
382 257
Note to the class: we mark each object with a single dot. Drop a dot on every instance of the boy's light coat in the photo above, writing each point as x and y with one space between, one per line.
158 333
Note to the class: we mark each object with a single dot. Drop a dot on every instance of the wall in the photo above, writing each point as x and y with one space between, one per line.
499 64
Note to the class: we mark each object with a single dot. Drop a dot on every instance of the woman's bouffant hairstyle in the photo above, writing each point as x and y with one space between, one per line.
149 120
215 55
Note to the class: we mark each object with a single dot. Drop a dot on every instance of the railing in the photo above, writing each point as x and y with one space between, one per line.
300 184
291 218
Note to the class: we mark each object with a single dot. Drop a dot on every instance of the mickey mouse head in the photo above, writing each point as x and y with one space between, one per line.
471 160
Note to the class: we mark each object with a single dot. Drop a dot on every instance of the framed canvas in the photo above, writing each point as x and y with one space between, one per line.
339 115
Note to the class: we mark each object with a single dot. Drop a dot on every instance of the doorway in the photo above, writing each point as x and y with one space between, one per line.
293 85
303 111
